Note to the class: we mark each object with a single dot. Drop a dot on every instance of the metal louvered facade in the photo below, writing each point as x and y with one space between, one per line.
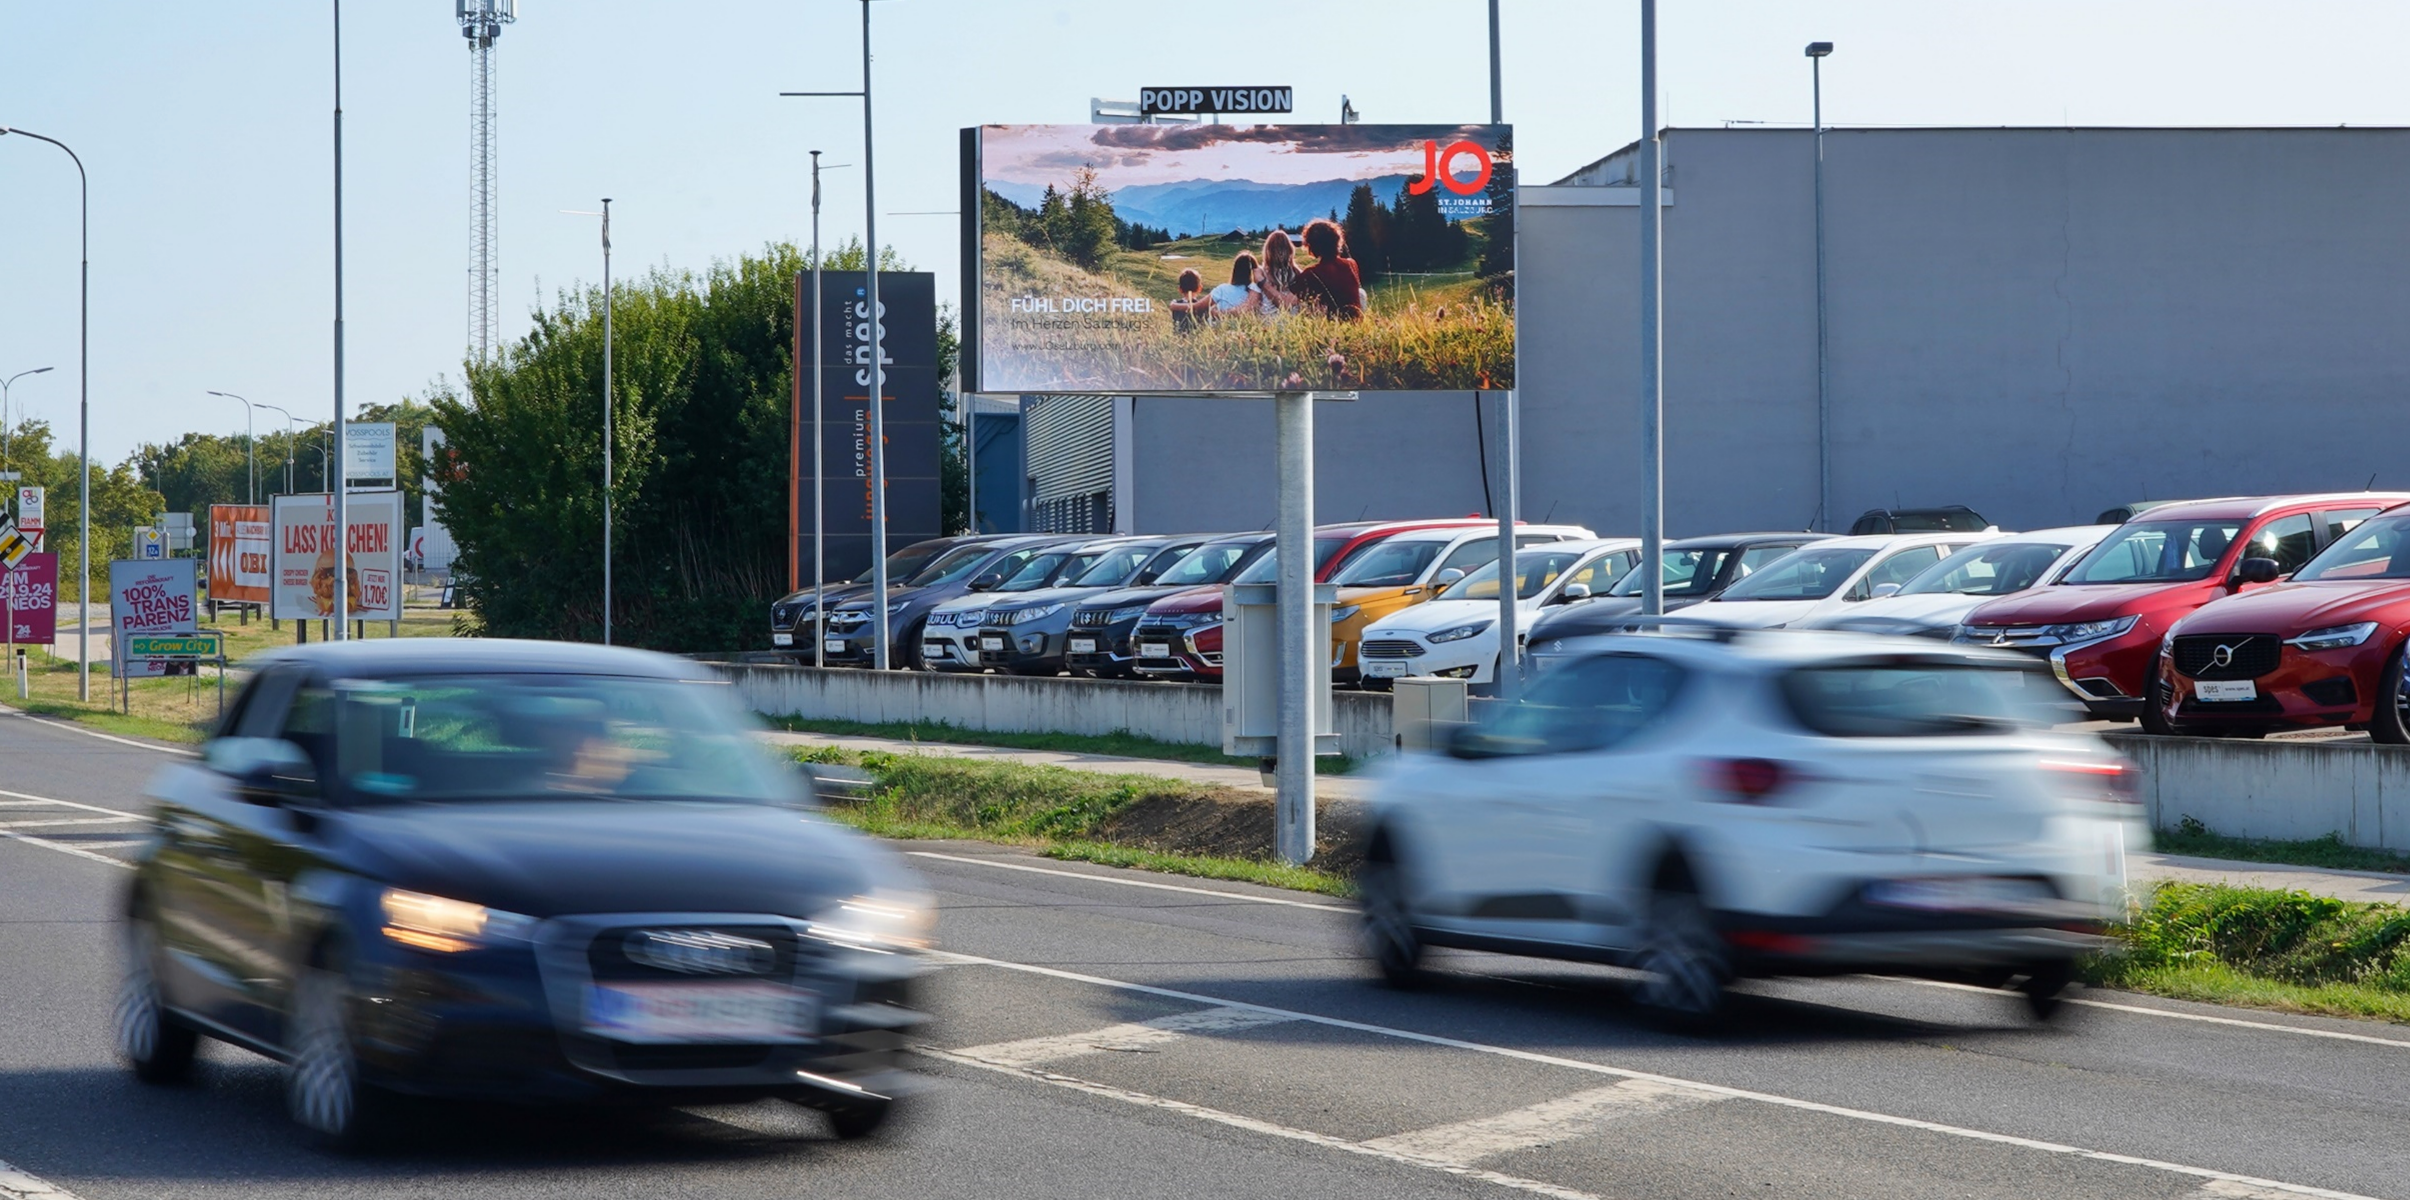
1070 463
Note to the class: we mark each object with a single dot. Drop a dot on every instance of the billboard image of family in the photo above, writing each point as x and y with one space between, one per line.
1242 258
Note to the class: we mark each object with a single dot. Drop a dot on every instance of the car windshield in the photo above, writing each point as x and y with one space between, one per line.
1909 697
1534 571
2158 552
1114 567
1394 563
1808 573
955 566
901 564
1267 568
1685 572
1035 572
1206 564
517 737
2378 549
1991 569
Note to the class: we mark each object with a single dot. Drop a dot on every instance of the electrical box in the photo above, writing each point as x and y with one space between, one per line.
1251 670
1425 710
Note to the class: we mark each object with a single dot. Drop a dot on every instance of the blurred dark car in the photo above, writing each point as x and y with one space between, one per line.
846 640
520 871
1100 643
1695 569
794 623
1031 635
1949 518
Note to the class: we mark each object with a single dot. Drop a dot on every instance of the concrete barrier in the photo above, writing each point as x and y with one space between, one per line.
1187 713
2270 789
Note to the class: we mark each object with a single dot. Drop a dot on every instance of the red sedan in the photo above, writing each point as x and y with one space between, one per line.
2324 649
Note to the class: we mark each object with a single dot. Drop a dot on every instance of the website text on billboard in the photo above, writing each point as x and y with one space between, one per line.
1239 258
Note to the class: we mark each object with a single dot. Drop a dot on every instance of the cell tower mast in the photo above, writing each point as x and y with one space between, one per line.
481 22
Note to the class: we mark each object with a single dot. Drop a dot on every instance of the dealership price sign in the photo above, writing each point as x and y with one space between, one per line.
239 548
31 595
1238 259
302 562
149 597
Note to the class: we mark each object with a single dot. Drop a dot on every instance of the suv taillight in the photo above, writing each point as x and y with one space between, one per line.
2114 781
1747 780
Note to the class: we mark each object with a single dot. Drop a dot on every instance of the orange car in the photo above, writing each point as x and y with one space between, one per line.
1411 567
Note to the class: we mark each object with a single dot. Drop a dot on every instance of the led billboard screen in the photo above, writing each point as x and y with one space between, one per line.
1239 258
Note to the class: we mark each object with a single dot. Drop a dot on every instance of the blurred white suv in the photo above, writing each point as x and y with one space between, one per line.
1709 804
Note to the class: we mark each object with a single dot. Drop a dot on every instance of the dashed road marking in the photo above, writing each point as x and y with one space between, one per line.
1544 1124
1133 1037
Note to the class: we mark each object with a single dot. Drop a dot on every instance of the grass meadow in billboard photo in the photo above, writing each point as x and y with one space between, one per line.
1244 258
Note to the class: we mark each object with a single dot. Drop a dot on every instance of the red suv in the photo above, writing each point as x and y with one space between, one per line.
1180 637
2323 649
2101 626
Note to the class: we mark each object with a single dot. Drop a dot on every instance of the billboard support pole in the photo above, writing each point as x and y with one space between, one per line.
819 446
1293 545
1652 331
340 628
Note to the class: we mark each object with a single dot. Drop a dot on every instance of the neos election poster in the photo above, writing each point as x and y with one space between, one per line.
302 563
1239 258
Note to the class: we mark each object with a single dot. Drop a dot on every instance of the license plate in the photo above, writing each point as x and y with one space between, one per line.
2216 691
834 645
1384 670
782 639
991 643
1972 894
657 1013
1083 645
1155 650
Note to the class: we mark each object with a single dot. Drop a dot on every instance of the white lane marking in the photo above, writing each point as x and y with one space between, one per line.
57 821
2173 1015
1135 1036
64 848
106 737
1136 883
17 1185
29 796
1254 1125
2227 1189
1544 1124
1575 1064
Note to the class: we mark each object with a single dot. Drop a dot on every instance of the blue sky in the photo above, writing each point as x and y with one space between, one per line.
206 128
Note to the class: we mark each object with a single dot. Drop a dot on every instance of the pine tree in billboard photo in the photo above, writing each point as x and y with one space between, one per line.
1200 258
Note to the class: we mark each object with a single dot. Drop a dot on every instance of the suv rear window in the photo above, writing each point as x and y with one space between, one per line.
1919 698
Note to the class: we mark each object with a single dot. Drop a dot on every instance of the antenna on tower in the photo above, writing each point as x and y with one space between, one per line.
481 22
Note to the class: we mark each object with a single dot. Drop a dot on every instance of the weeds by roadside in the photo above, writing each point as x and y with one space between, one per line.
2191 837
1120 744
2284 950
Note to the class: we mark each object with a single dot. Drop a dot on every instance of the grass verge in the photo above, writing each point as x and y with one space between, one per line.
2260 948
1062 813
2193 838
1119 744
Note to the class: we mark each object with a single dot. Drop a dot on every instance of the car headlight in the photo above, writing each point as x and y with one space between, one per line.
2333 637
1343 612
898 606
882 921
1461 632
1039 613
1117 616
2085 631
435 923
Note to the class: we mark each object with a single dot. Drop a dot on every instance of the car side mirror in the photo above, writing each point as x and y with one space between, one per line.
265 770
1573 592
987 583
1449 576
2258 570
1885 589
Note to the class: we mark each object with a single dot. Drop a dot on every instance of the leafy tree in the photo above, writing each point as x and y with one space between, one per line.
120 502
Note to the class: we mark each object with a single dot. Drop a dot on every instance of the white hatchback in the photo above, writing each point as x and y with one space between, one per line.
1825 578
1456 633
1935 601
1709 804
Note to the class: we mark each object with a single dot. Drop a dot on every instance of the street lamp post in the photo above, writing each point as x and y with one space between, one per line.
83 431
1816 52
4 423
250 443
290 439
1652 327
339 484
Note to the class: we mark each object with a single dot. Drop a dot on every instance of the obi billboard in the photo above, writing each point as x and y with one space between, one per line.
1238 258
29 596
150 597
302 561
910 385
239 546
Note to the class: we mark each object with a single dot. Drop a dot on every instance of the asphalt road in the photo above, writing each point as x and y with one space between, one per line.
1111 1034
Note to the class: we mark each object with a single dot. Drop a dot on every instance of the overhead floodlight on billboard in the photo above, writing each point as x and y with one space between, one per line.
1217 259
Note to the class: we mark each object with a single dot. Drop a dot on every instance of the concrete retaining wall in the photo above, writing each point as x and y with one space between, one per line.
2289 790
1190 713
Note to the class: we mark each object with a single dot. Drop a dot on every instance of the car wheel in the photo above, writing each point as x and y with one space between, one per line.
1388 925
157 1047
2044 988
323 1089
2391 724
2154 705
1683 962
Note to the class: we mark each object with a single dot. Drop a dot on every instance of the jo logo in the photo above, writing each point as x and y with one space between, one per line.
1437 169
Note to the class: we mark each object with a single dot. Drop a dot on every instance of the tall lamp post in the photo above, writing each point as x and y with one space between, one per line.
1816 52
290 439
605 214
1652 328
877 381
250 444
4 422
340 440
83 424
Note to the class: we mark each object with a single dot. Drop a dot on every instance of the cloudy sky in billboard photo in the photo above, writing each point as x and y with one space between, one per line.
206 129
1137 155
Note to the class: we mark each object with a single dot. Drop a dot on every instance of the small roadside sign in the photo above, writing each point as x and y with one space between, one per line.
14 546
201 645
149 543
